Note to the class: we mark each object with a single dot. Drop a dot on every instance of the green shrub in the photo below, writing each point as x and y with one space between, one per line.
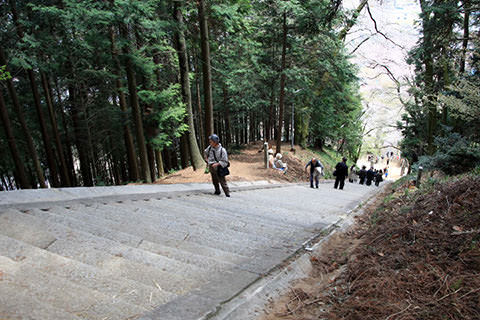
455 155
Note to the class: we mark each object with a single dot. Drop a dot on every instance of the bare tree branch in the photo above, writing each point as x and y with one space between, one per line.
358 46
391 76
378 31
350 23
389 73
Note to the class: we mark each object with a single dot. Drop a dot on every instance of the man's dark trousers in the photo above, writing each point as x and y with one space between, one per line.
216 179
341 181
312 177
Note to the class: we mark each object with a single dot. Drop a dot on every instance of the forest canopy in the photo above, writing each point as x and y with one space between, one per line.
107 92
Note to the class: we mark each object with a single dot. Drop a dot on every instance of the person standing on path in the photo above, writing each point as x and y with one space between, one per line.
341 172
362 174
370 176
352 176
216 156
314 174
378 178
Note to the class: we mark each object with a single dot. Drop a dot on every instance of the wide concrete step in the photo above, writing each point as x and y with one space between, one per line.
240 243
106 229
272 213
309 204
150 224
184 244
121 266
77 300
17 303
207 225
93 250
154 236
217 210
38 260
263 215
158 230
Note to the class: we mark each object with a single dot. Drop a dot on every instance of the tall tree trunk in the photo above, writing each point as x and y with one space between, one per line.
127 134
207 73
237 130
228 132
43 128
91 148
174 155
18 109
17 160
282 84
245 128
429 81
271 113
151 127
195 156
166 157
58 142
68 143
466 34
202 137
159 160
36 97
252 127
81 138
184 154
286 127
137 116
116 160
151 161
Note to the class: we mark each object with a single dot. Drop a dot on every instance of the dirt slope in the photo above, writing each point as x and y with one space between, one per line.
247 166
413 255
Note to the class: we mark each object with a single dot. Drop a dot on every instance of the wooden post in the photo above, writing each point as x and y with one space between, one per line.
265 151
419 177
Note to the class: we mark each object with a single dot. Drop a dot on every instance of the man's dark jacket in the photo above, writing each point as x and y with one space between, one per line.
341 170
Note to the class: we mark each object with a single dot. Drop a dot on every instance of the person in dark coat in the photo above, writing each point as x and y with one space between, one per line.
362 174
378 177
370 176
341 172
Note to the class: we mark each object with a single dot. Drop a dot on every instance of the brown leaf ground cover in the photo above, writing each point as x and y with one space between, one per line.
414 254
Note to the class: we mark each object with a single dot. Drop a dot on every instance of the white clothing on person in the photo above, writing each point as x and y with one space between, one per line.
278 163
318 172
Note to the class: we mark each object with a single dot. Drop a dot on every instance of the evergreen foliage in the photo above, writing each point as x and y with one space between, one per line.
440 125
110 96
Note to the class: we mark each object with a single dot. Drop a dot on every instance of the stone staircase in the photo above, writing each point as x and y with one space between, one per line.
152 253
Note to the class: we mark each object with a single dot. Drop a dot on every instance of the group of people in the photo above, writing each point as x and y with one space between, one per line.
368 176
316 170
341 172
216 158
276 162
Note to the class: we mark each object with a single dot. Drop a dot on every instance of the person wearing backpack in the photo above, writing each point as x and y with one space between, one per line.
217 160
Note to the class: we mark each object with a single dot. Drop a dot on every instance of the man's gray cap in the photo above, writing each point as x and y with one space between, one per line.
214 138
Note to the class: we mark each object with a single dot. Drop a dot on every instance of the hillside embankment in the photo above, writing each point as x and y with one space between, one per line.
413 254
247 164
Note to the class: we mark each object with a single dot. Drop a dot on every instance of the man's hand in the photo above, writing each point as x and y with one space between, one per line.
215 164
